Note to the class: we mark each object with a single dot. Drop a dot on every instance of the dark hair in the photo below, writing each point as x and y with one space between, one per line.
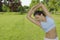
39 13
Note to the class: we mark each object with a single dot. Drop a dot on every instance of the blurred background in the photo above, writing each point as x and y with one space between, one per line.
15 26
23 6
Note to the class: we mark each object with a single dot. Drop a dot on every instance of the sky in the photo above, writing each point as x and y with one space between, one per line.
26 2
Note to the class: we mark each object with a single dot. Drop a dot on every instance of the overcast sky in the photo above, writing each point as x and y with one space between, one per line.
26 2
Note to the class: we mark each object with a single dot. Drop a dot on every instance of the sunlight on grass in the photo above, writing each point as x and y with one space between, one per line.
17 27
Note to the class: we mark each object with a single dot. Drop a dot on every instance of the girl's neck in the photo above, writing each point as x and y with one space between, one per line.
44 19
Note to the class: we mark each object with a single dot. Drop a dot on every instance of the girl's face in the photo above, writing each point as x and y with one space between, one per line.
39 17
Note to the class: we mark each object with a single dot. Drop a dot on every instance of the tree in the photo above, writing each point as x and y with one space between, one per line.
5 2
34 2
26 8
1 6
52 5
14 4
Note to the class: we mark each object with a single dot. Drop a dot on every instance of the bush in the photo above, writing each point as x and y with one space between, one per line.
5 8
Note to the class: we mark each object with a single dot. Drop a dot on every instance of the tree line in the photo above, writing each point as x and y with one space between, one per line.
52 5
16 6
11 6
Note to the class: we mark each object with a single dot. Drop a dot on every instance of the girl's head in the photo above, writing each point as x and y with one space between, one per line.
39 15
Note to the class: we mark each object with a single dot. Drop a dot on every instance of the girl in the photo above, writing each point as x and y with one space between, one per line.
43 19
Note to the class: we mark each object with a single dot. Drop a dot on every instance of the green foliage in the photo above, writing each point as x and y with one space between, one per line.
16 1
34 2
5 8
21 9
5 2
26 8
52 4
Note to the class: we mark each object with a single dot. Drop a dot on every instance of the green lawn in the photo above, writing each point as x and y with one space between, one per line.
17 27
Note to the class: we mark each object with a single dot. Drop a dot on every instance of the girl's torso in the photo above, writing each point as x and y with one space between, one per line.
48 25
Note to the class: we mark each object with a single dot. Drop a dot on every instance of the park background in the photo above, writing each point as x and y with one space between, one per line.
15 26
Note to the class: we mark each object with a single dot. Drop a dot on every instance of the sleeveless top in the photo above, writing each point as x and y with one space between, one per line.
48 25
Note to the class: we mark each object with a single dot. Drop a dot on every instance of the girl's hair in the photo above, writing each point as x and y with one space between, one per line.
39 13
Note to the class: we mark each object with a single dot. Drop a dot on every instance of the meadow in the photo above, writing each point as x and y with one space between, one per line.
18 27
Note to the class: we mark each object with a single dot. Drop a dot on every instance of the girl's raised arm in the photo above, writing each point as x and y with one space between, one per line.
31 11
47 13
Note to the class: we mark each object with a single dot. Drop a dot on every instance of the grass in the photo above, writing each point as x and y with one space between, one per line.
17 27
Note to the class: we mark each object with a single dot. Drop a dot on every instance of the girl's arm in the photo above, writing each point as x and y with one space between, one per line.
31 11
45 10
